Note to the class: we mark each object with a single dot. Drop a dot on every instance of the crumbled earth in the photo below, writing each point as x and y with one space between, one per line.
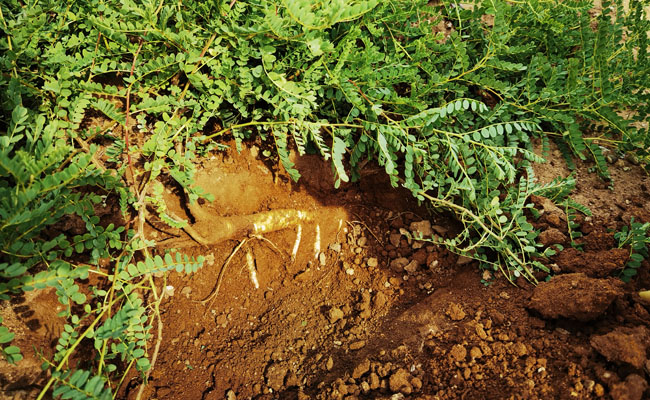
377 312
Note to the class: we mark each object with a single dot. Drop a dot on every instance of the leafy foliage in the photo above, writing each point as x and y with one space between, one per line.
637 238
80 384
118 98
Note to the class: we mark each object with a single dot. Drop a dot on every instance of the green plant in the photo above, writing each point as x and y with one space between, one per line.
157 84
10 353
570 208
637 238
40 175
43 180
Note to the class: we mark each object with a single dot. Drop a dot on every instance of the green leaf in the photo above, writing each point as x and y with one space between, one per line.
383 145
143 364
5 335
629 272
636 257
450 108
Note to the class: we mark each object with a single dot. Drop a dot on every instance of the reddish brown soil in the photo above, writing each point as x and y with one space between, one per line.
379 316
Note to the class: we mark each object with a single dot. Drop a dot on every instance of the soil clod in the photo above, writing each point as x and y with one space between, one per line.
631 389
400 381
624 345
575 296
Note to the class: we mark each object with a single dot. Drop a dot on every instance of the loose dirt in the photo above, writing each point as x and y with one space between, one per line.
375 314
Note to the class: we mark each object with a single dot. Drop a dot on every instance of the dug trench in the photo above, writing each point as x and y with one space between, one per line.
377 314
363 311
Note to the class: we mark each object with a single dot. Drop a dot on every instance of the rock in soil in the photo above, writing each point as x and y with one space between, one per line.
380 300
395 239
421 229
623 345
455 312
551 213
335 314
398 264
475 353
275 374
458 353
399 382
631 389
361 369
575 296
374 381
329 364
292 380
411 267
359 344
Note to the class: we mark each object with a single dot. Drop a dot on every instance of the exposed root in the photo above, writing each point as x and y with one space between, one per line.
369 230
296 244
197 237
250 262
273 245
208 300
317 242
196 210
220 229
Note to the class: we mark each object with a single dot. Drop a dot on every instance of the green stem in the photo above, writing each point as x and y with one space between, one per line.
70 351
465 211
275 123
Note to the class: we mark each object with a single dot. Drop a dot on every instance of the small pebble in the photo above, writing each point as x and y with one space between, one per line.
335 314
335 247
357 345
599 390
186 291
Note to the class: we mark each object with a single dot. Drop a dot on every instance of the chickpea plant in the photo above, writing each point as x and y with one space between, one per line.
118 99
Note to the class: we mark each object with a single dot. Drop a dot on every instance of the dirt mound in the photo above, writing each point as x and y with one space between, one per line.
575 296
598 264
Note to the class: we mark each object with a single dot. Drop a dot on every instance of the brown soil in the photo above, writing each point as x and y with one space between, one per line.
375 314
